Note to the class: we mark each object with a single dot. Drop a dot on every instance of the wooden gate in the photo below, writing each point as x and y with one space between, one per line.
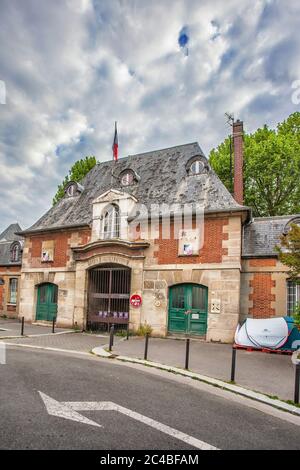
46 308
108 296
188 309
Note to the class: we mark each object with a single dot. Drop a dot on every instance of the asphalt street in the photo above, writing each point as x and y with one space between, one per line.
199 414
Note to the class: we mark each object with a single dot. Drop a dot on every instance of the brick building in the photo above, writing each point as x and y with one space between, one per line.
11 246
92 259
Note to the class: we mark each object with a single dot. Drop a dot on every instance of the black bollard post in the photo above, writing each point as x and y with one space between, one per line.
146 346
297 383
187 353
22 326
233 361
127 332
111 337
53 324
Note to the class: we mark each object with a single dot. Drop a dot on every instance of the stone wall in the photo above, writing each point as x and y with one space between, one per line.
64 279
223 285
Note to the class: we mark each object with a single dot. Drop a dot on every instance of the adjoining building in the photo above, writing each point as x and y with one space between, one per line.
84 264
11 246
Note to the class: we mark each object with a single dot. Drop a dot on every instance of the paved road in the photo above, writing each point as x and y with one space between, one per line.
216 420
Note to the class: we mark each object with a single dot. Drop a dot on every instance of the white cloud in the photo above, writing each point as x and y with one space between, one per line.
73 67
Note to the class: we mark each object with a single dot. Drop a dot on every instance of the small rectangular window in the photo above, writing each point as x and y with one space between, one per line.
13 288
178 297
293 296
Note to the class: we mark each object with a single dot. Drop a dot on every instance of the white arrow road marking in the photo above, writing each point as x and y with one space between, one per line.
68 410
55 408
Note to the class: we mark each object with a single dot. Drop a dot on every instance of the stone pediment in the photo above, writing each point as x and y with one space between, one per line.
113 195
114 246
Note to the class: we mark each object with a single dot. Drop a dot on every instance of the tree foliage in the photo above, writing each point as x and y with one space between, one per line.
76 173
271 168
289 251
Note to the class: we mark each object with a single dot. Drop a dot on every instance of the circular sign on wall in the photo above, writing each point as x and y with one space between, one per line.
135 300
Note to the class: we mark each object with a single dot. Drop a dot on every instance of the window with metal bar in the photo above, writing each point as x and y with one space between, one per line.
15 252
111 222
13 287
293 296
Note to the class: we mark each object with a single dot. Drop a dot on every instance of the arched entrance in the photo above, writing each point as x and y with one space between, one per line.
46 307
188 309
108 296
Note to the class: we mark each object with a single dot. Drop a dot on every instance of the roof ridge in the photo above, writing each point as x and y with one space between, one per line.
152 151
274 217
8 234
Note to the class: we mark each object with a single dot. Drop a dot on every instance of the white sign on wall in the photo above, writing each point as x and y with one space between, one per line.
215 306
188 242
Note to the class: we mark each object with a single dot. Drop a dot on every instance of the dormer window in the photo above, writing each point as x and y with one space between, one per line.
73 189
15 252
111 222
127 178
295 220
196 167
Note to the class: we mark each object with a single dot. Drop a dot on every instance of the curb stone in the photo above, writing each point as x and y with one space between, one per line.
281 405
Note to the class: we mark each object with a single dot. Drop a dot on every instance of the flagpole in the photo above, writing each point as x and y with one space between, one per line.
115 153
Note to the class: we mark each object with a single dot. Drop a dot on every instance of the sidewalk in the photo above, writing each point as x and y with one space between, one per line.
42 337
80 342
10 327
271 374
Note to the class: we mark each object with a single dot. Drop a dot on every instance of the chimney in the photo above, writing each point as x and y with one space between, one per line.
238 144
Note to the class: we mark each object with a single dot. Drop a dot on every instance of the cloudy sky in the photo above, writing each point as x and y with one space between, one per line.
73 67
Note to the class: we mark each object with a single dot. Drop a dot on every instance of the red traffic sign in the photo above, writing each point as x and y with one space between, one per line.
135 300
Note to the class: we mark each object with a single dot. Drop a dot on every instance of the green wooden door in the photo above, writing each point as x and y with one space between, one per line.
46 308
188 309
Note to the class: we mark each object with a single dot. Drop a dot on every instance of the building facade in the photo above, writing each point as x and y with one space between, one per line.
11 247
115 250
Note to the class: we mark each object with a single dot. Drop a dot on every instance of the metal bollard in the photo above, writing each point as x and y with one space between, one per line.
111 337
22 326
297 383
187 353
146 346
127 332
53 324
233 362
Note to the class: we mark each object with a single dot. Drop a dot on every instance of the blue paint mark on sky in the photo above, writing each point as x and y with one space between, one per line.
183 37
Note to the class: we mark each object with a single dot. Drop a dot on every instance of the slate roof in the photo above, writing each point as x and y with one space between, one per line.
162 179
7 237
262 234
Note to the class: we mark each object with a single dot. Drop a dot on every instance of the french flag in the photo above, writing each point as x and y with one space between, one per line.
115 144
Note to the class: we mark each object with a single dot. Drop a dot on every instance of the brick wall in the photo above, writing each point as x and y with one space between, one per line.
238 161
261 263
62 250
1 297
261 285
212 251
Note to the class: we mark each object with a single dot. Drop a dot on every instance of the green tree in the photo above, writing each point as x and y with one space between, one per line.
76 173
271 168
289 251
